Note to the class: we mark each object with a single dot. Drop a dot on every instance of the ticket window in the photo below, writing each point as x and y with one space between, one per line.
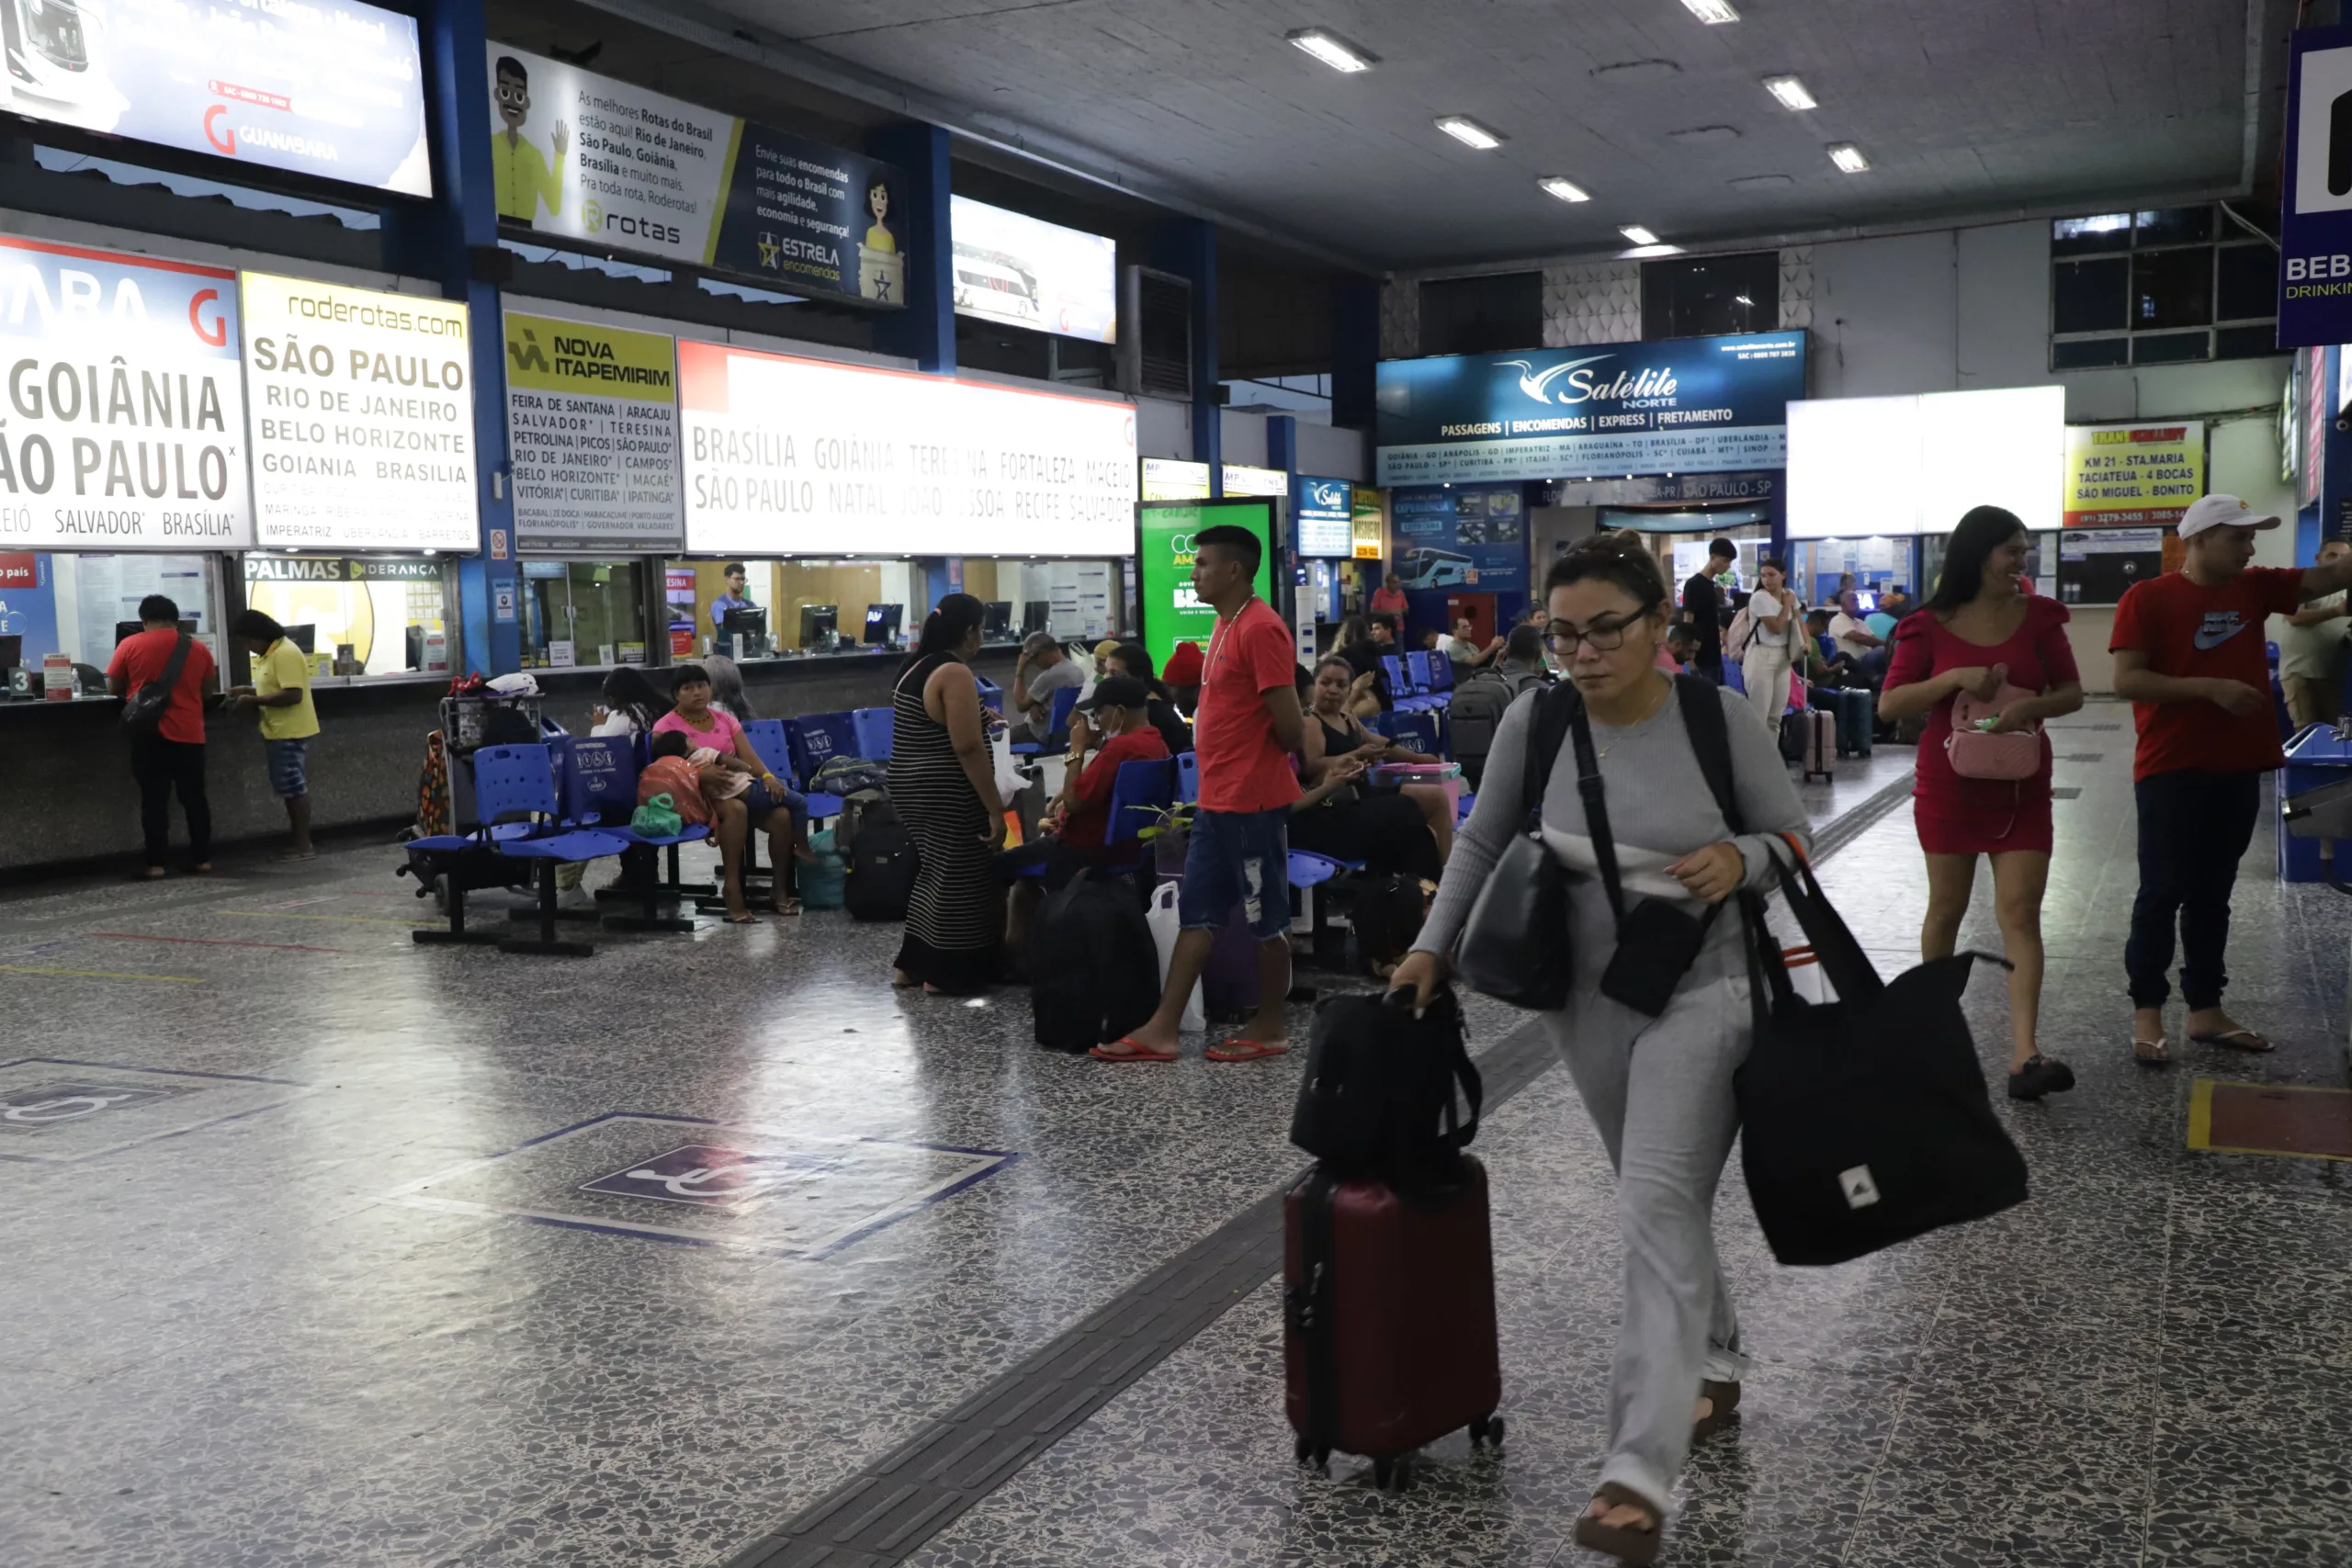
579 613
2040 562
1877 562
78 606
363 617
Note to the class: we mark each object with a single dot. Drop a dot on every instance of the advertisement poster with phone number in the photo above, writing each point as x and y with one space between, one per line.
1468 537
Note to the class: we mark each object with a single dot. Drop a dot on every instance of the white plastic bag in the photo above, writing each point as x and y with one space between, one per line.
1165 926
1805 977
1009 782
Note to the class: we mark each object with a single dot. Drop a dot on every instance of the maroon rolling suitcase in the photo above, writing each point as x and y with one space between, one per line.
1389 1306
1820 727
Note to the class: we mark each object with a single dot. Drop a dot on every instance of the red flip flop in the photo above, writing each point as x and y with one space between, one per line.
1239 1050
1134 1052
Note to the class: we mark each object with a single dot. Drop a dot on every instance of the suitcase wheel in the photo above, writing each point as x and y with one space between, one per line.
1312 1456
1486 1431
1393 1474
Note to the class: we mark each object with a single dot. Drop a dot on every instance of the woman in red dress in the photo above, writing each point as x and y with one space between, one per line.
1979 635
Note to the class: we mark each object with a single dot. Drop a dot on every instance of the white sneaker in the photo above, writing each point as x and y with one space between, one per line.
575 899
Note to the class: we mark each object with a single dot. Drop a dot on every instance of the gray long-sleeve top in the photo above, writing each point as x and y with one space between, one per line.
1659 810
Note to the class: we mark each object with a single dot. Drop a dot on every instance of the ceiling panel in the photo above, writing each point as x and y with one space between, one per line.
1961 109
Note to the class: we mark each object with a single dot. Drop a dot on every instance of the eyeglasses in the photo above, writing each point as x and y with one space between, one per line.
1605 636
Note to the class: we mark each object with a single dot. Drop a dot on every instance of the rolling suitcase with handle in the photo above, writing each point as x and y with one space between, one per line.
1819 728
1389 1338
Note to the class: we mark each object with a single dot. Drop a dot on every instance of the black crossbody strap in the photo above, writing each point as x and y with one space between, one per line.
1702 719
1596 812
1547 732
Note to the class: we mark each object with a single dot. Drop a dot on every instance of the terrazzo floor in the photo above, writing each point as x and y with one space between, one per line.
377 1253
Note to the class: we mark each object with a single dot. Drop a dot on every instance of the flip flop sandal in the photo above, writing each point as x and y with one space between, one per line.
742 919
2235 1039
2151 1053
1723 1401
1134 1052
1624 1543
1239 1050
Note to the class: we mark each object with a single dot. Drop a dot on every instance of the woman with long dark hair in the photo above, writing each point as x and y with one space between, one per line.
1659 1089
631 704
943 782
1981 639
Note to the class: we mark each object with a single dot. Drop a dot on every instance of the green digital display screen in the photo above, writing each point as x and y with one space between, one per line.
1171 611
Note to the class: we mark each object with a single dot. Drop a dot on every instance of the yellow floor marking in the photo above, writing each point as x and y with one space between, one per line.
98 975
2200 1115
2200 1120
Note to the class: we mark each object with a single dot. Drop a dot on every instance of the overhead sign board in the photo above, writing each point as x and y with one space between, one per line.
1322 517
2315 209
1863 468
1026 272
1173 479
329 88
123 423
584 157
363 417
787 456
591 423
2134 474
1677 405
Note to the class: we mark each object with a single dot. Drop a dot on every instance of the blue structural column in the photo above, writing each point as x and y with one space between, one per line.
1187 248
453 241
1282 443
924 329
1355 351
2335 459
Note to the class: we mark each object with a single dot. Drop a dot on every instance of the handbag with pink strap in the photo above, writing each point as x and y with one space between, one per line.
1976 755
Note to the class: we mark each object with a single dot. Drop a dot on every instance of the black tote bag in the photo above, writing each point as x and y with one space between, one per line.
1514 946
1864 1121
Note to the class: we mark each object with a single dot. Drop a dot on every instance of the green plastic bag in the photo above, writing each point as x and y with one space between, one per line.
659 818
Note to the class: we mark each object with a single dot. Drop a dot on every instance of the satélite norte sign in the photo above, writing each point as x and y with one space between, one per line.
2134 474
329 88
1321 513
1680 405
363 417
787 456
591 419
2315 211
1173 613
590 158
124 421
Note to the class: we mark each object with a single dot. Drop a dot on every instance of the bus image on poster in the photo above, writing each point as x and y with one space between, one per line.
1165 530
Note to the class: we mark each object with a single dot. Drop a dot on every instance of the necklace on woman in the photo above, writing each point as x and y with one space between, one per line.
1665 689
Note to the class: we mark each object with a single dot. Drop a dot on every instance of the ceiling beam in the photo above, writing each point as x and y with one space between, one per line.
719 33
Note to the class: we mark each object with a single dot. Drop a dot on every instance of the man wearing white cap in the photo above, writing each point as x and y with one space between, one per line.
2189 654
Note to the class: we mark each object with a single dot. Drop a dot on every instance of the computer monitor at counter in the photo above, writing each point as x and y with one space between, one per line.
883 624
996 622
819 624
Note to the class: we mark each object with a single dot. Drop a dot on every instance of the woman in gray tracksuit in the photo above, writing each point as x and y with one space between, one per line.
1660 1089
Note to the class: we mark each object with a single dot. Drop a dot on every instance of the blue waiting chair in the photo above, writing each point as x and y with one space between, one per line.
1144 793
991 694
816 739
600 793
1065 700
1440 668
772 742
517 784
873 727
1401 695
1188 779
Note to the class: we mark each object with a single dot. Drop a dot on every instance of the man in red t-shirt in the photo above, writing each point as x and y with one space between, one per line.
170 757
2189 653
1249 724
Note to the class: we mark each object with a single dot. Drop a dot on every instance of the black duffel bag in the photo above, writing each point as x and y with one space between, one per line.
1864 1121
1379 1100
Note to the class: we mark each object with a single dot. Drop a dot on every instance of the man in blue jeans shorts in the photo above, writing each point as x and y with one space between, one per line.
1249 724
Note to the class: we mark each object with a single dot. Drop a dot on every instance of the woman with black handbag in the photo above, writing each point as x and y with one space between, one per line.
1605 897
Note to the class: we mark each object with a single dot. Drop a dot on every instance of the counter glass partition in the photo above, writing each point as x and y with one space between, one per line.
361 616
801 607
585 613
80 606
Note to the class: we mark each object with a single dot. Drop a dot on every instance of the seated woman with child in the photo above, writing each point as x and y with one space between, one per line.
740 778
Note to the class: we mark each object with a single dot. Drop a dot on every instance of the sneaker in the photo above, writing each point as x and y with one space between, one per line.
2041 1076
575 899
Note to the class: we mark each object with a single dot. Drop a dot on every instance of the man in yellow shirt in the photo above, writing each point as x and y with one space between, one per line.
524 177
281 694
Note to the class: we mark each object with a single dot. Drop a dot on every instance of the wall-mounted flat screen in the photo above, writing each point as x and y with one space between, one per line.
1025 272
328 88
1906 465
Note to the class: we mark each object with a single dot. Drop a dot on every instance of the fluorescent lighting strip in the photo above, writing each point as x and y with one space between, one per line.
1469 132
1791 92
1638 234
1331 49
1849 157
1714 12
1566 190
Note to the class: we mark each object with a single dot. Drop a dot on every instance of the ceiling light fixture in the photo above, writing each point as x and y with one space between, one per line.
1638 234
1469 132
1791 92
1714 12
1849 157
1649 252
1566 190
1331 49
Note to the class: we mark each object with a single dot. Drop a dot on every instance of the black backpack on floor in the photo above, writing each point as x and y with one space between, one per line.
1384 1092
880 878
1094 968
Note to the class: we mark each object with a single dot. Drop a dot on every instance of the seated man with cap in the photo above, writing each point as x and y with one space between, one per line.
1078 824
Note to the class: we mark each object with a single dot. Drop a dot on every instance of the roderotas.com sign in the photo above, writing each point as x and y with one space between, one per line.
1677 405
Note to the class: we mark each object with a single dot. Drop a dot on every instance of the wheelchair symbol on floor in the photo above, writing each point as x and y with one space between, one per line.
702 1182
53 1104
707 1176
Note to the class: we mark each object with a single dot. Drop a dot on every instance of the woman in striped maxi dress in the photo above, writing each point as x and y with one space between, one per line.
942 783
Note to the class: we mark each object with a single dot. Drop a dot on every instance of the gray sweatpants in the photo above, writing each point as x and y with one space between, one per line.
1659 1091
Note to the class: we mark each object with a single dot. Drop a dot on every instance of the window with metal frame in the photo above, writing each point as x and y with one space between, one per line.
2168 286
